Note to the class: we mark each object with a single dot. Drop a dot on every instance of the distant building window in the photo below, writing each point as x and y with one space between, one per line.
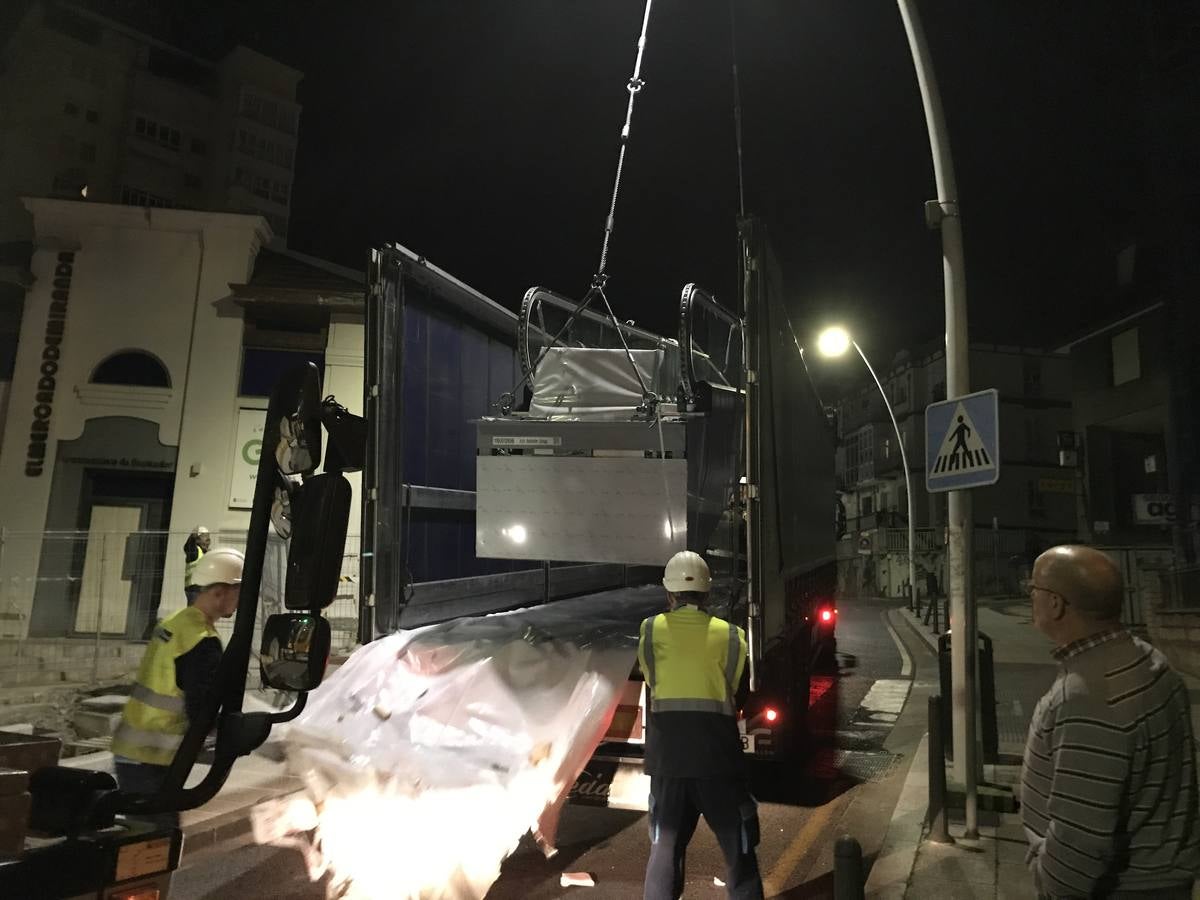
199 147
68 145
1037 501
135 197
132 367
1031 371
867 505
87 152
92 116
273 113
163 135
70 109
259 147
939 392
1126 358
192 181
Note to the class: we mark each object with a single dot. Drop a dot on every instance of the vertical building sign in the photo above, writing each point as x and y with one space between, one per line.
247 450
47 383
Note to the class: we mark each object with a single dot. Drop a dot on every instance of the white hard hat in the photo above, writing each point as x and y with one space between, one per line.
220 566
687 571
199 530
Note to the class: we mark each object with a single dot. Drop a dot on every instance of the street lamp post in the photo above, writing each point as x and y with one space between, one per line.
943 213
835 342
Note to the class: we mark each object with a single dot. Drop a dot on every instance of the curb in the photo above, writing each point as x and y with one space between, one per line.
898 853
930 640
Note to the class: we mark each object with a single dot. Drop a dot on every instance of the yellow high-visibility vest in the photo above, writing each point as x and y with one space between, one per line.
190 569
155 718
692 661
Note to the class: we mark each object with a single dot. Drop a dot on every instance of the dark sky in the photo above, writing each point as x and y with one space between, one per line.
483 135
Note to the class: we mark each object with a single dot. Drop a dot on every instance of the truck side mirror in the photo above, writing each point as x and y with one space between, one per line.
295 651
319 519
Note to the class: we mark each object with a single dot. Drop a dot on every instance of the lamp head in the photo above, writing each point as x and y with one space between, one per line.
833 341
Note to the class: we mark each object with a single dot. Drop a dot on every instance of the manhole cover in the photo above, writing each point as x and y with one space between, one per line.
859 765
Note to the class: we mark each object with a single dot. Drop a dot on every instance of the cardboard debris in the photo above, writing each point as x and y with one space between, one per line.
576 879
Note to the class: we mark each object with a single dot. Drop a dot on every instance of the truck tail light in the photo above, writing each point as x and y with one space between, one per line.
771 714
827 615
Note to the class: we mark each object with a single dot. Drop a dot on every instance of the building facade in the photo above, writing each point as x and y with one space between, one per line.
1033 504
92 109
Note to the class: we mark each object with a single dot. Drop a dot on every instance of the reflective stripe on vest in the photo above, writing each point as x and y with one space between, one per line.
190 569
155 717
691 697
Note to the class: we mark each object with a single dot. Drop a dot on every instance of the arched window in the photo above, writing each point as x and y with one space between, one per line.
132 367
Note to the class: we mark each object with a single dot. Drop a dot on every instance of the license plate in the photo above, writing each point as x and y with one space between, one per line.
748 743
143 858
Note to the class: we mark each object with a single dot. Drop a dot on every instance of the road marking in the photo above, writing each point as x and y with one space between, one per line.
905 659
885 699
775 882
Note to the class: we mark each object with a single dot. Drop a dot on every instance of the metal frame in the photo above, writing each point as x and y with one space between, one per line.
692 296
382 536
532 301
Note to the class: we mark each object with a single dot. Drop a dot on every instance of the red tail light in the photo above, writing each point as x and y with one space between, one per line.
771 715
827 615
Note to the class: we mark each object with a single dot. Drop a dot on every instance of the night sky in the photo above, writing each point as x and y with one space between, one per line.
483 135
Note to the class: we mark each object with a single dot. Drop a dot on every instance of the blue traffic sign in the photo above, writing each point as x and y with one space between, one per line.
962 442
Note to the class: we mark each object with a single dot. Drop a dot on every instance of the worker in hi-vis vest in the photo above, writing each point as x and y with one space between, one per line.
176 678
194 549
693 663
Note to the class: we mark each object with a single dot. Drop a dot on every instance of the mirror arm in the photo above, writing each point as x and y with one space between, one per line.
291 712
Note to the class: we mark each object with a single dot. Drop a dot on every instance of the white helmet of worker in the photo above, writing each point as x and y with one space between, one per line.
221 566
687 571
199 530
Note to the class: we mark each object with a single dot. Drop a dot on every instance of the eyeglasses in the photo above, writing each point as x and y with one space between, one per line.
1028 586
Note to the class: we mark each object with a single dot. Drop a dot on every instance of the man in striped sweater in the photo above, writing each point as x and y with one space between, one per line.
1108 793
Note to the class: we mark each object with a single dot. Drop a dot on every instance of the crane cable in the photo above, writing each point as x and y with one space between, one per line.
649 400
634 86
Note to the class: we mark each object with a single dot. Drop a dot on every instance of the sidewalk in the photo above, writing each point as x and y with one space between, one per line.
908 866
223 821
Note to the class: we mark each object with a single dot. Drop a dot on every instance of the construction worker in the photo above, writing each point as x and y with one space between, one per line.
194 549
175 679
693 663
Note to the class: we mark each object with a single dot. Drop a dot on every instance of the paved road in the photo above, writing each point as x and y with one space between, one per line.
848 784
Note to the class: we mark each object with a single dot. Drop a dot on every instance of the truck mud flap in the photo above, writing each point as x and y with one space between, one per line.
617 784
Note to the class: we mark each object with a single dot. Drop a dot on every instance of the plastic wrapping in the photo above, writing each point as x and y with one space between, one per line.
598 384
429 753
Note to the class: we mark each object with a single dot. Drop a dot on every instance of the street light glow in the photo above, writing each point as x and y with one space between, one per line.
833 341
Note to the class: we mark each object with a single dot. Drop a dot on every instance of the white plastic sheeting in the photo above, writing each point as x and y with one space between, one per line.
429 753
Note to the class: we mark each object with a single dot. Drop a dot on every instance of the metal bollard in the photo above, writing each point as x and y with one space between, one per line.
936 815
848 881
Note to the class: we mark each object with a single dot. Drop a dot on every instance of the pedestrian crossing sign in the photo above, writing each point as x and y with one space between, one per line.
962 442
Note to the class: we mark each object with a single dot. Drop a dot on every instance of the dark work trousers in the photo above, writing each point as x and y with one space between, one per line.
1183 892
676 805
142 778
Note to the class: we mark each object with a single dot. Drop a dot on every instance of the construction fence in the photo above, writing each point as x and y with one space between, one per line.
77 607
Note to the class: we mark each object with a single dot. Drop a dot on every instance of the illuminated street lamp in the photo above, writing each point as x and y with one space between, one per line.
834 342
